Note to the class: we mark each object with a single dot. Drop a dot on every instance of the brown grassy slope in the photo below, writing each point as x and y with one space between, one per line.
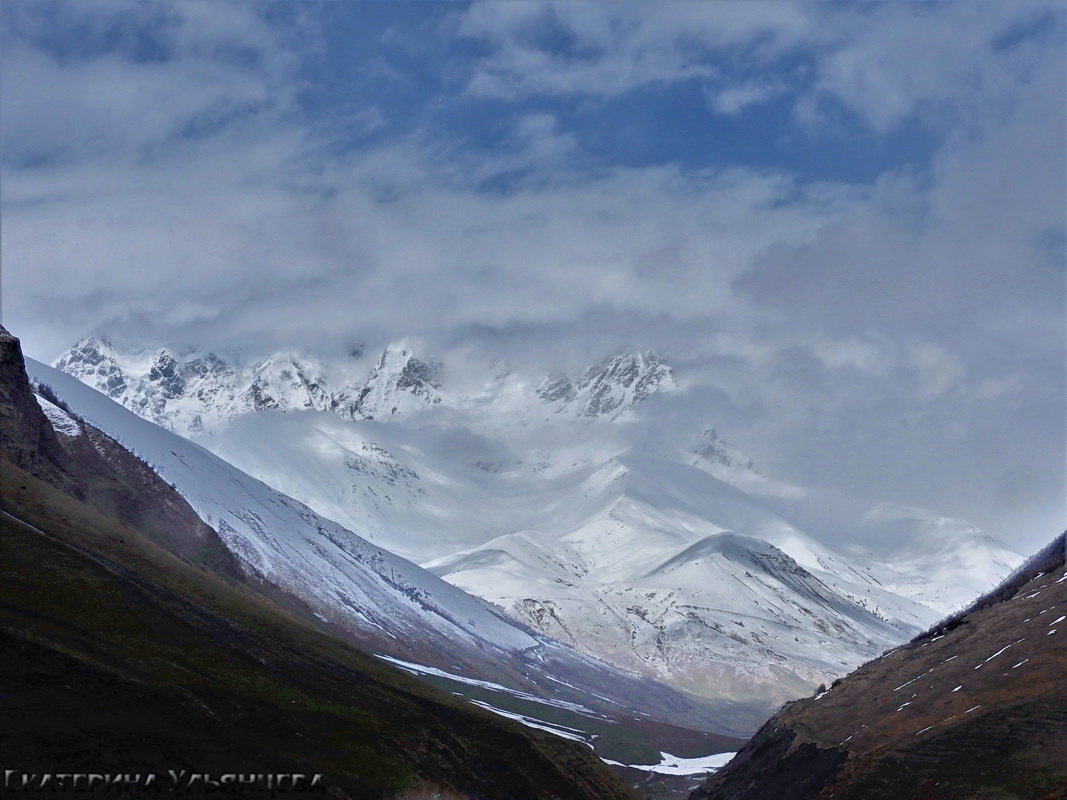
977 711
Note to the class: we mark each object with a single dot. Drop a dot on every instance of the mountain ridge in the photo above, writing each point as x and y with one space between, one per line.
563 484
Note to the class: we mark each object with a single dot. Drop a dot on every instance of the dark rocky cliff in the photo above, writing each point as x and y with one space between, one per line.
93 468
26 435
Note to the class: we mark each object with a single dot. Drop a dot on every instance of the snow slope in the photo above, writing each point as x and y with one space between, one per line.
614 552
284 542
686 565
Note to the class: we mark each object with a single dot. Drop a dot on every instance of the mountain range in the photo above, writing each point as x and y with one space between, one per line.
556 500
385 603
140 647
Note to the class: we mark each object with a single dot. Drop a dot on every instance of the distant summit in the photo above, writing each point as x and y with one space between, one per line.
610 389
399 383
189 391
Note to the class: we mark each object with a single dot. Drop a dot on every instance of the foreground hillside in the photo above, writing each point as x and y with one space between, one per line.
975 708
134 642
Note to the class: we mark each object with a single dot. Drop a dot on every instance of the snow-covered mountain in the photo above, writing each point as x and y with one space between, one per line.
382 600
400 382
610 389
681 563
190 391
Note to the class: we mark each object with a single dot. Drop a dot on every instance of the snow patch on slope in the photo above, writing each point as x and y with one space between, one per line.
674 765
62 422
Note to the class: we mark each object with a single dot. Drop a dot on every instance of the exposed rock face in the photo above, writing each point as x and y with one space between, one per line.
610 389
557 389
400 382
26 436
189 392
165 372
91 360
59 448
976 707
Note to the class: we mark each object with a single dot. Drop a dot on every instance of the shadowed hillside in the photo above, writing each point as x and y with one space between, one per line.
975 708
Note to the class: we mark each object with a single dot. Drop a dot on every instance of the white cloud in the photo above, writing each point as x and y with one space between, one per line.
888 62
733 100
903 340
115 104
616 47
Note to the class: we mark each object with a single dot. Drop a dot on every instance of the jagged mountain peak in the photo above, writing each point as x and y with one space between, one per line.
609 389
91 349
715 455
402 381
93 341
405 361
92 360
188 390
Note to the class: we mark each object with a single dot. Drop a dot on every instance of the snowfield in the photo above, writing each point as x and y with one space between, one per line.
673 765
287 544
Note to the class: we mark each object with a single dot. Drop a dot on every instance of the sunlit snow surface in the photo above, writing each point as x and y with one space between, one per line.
673 765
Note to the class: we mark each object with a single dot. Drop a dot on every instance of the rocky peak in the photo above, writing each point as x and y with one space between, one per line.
26 436
189 391
209 364
166 372
609 389
90 350
401 381
286 381
557 389
92 360
713 453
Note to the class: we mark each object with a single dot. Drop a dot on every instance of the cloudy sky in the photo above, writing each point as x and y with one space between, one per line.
842 223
